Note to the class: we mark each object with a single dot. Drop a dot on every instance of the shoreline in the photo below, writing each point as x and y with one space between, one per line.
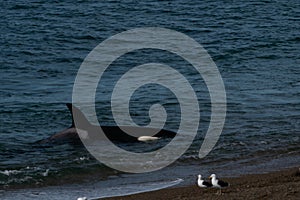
281 184
284 184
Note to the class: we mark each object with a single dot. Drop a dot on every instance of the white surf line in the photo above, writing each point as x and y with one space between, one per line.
147 138
166 185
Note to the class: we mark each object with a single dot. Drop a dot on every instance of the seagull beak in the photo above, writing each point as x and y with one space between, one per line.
210 177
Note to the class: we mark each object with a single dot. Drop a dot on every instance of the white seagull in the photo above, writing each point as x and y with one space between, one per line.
202 183
218 183
82 198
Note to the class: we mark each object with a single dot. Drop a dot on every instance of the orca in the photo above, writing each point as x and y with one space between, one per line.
113 133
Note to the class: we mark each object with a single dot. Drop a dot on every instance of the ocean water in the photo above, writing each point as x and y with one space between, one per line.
255 45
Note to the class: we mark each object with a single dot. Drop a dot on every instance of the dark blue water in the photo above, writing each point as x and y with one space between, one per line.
255 45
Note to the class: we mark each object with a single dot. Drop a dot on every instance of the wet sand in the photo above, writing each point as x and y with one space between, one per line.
276 185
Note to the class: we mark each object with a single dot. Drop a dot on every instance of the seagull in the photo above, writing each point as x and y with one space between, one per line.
202 183
82 198
218 183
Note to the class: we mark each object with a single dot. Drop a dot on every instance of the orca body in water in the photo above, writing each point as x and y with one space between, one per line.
113 133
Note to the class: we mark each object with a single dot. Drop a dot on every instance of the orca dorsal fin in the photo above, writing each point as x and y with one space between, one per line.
82 121
69 105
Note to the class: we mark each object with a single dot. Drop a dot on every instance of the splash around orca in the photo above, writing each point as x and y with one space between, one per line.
113 133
